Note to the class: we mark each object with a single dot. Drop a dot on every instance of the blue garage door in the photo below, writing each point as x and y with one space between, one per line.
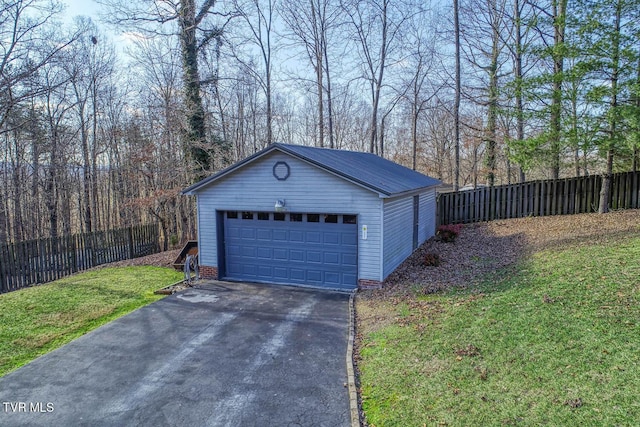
292 248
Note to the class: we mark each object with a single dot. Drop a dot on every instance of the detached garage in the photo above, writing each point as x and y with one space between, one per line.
308 216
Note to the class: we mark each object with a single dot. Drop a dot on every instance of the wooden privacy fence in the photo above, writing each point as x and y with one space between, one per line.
538 198
39 261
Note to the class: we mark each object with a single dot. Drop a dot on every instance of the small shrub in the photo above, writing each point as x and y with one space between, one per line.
449 232
432 260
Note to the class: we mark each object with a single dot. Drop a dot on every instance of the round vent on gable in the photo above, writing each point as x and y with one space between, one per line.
281 171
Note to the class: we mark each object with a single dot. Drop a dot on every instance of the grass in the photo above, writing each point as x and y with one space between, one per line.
36 320
554 341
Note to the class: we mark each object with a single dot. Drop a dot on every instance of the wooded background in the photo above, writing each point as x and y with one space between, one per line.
95 136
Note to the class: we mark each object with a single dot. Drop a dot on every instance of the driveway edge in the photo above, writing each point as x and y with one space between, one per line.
351 378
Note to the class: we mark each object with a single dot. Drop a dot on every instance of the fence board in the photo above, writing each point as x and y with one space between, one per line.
538 198
4 262
39 261
635 194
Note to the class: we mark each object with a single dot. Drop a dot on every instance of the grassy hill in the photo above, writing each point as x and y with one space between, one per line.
544 332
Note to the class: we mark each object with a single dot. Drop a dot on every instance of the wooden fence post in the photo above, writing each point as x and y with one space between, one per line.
4 286
130 236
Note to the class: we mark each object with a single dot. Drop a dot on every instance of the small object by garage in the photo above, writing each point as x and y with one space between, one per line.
310 216
190 248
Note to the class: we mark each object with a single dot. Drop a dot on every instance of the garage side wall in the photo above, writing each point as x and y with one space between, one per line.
398 227
427 225
398 232
308 189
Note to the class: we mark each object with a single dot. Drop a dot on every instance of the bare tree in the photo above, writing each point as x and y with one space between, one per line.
192 25
160 72
26 45
376 27
419 86
88 63
458 90
311 25
56 109
484 41
258 17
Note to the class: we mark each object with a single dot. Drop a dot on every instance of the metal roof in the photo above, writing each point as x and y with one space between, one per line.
369 170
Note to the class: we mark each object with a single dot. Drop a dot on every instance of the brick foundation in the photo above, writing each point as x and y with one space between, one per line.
207 272
369 284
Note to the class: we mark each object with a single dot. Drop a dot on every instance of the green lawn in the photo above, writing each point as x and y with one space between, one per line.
554 342
34 321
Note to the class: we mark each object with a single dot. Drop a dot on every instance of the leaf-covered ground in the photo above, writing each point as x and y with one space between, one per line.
161 259
485 247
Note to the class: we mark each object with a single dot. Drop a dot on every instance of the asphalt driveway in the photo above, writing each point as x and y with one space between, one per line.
220 355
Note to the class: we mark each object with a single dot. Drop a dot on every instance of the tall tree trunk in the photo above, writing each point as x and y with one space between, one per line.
318 55
4 210
518 79
325 53
456 103
507 136
574 131
636 137
559 24
94 153
95 193
319 80
18 225
3 220
605 191
51 194
269 111
329 99
35 232
492 114
414 131
86 173
194 145
382 136
613 115
378 81
373 138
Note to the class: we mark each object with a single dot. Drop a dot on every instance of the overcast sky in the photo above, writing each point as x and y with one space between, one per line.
82 7
91 9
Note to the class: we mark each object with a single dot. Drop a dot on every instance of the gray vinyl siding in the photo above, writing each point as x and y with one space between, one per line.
427 225
398 232
308 189
398 227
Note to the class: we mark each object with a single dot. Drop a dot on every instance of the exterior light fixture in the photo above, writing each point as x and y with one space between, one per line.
279 206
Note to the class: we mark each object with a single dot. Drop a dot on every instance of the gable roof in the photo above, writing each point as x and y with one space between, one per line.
368 170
